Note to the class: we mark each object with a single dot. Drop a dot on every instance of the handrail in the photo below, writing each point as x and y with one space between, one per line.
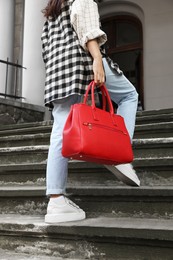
12 64
11 96
16 66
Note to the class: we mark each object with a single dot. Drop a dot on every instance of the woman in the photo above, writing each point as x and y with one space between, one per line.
71 43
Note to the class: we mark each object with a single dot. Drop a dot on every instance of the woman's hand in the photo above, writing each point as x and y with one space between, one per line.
99 74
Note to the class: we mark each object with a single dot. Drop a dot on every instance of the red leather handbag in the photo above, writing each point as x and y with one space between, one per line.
96 135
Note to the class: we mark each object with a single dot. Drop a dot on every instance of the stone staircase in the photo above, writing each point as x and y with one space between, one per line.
122 222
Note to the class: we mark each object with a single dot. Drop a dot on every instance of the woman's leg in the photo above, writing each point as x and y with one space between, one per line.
124 94
60 208
57 165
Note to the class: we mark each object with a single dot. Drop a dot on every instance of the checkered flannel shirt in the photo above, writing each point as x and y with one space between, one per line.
67 61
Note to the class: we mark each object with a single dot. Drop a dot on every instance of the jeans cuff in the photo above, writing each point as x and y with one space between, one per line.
55 191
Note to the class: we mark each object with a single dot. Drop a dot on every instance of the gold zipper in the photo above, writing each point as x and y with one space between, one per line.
90 126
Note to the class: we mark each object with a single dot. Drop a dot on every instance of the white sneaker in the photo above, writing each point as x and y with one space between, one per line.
62 209
125 173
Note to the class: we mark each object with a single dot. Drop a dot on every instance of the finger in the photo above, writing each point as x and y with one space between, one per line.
100 82
99 79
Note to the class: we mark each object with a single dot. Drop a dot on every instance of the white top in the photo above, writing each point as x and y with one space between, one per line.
85 20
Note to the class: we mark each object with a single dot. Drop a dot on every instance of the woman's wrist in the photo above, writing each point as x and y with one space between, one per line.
94 49
97 57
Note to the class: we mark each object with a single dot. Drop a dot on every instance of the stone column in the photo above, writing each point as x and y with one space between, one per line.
6 39
18 43
34 75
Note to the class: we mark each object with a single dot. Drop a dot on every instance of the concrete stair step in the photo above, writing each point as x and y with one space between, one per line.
93 238
110 200
24 140
154 130
150 116
12 255
144 117
156 123
26 128
155 171
153 147
155 112
25 125
151 171
158 130
24 154
143 148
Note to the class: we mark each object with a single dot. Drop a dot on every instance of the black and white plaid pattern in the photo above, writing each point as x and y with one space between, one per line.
68 66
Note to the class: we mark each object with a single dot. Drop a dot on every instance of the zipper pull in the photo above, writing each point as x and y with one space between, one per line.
88 124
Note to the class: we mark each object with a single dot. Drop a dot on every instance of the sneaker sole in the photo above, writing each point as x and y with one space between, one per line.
66 217
125 178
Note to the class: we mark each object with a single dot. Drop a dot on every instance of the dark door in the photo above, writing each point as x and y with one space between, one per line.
125 46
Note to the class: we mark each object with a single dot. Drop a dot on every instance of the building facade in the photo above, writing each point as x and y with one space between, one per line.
140 39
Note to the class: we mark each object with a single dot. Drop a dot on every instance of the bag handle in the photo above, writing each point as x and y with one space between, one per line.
105 97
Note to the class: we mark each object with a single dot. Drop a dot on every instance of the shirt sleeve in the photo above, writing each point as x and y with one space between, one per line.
86 22
44 39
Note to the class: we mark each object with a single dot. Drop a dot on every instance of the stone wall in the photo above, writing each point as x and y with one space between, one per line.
14 112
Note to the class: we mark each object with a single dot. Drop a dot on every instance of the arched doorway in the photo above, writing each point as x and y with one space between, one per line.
125 46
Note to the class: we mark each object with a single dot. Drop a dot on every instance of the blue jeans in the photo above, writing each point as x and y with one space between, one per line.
121 91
